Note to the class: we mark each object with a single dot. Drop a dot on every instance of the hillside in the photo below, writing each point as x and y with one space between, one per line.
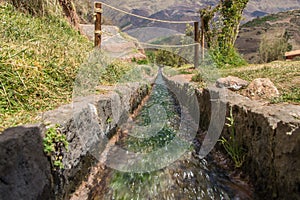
41 53
39 59
252 32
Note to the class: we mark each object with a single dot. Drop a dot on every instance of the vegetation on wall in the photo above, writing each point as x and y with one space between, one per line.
55 143
231 145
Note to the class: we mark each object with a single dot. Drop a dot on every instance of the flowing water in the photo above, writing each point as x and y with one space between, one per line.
189 177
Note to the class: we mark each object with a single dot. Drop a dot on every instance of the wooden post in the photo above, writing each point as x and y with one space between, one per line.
202 39
196 34
98 12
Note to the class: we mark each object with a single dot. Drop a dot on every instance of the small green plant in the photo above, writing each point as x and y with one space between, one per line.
140 61
231 146
198 77
109 120
54 143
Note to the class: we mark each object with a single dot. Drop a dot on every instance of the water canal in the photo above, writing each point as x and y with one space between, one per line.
189 177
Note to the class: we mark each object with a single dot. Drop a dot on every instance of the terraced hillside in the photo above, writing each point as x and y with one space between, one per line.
271 26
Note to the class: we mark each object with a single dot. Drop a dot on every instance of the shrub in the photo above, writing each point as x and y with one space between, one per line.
273 48
169 58
231 58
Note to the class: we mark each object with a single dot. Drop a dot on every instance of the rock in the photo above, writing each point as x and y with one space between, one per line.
232 83
117 44
24 169
88 123
261 88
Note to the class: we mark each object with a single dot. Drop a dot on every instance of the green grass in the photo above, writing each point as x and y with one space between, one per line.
285 76
261 21
39 58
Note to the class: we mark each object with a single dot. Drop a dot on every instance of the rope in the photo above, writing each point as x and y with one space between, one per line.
155 45
147 18
170 46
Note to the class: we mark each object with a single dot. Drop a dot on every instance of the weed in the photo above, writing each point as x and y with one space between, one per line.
231 146
109 120
54 144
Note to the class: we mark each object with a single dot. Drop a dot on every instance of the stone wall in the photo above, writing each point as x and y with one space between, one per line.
25 171
270 133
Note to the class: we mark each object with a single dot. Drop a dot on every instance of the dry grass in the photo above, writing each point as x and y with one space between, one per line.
38 7
285 75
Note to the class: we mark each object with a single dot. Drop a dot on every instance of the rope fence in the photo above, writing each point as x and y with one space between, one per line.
168 46
143 17
98 11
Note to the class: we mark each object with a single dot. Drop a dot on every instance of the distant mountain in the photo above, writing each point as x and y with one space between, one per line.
183 10
251 32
